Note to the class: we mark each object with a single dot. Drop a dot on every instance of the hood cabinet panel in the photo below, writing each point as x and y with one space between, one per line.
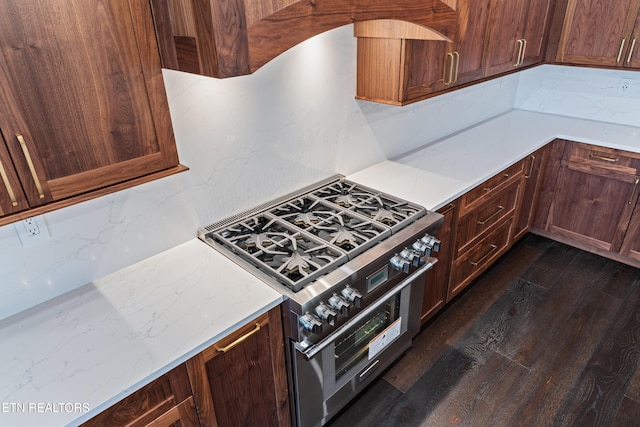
236 37
84 111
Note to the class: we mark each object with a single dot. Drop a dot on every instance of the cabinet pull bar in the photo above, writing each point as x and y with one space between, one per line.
476 263
520 44
524 50
239 340
7 184
457 55
620 51
500 208
606 159
32 168
449 209
633 190
450 80
533 162
633 45
506 175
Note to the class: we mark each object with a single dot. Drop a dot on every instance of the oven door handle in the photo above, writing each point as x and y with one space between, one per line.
310 352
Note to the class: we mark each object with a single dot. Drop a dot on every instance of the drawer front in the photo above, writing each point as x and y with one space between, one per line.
479 257
485 216
606 158
491 186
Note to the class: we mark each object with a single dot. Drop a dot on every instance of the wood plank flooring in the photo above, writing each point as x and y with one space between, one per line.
548 336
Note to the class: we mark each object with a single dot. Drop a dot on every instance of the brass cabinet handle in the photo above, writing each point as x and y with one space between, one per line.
32 168
533 162
7 184
500 208
476 263
506 175
448 82
606 159
457 57
449 209
524 50
520 46
239 340
620 51
633 190
633 45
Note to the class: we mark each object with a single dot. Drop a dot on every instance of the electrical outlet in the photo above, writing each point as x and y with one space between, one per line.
625 87
32 230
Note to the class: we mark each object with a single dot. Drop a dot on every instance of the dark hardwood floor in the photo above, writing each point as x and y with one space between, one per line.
548 336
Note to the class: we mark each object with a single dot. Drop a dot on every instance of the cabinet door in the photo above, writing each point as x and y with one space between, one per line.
471 35
506 26
534 166
596 32
632 57
631 243
166 401
537 18
427 67
241 381
592 205
87 106
12 199
437 279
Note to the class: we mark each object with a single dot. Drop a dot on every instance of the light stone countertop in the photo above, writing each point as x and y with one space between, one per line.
93 346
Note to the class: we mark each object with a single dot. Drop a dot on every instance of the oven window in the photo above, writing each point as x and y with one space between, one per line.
354 345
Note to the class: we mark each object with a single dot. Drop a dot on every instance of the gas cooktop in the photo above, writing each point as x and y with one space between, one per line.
303 236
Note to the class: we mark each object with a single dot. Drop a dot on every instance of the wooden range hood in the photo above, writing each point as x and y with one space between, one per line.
226 38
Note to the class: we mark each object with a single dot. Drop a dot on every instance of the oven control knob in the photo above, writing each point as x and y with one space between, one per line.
352 295
421 247
311 323
339 304
411 255
431 242
327 313
399 263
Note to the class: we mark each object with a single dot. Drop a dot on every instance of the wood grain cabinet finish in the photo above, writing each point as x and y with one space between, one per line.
517 34
601 33
242 380
534 166
631 243
164 402
595 195
84 111
437 279
237 37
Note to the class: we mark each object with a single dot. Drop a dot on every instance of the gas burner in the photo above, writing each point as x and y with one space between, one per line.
346 201
306 219
297 263
384 216
344 237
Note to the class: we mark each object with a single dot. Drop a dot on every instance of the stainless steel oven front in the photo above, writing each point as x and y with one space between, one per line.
329 374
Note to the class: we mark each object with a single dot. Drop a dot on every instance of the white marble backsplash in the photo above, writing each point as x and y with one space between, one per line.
590 93
246 140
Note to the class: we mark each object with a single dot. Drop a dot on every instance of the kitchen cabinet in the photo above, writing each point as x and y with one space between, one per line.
437 279
242 379
631 243
84 111
600 32
534 166
166 401
517 33
595 193
237 37
399 70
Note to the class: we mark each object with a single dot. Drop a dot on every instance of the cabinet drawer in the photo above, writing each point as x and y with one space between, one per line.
606 158
485 216
491 186
475 260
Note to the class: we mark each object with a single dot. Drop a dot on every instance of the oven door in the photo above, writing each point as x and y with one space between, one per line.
328 375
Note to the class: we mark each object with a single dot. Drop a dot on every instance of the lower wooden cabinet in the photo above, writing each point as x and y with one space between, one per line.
437 279
534 164
166 401
239 381
631 243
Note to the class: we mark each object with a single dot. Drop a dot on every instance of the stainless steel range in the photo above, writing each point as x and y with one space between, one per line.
351 263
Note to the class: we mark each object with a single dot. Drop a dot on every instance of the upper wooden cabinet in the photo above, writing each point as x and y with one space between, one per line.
236 37
600 32
517 34
82 100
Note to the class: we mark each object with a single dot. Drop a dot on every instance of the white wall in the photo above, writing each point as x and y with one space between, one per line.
246 141
589 93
